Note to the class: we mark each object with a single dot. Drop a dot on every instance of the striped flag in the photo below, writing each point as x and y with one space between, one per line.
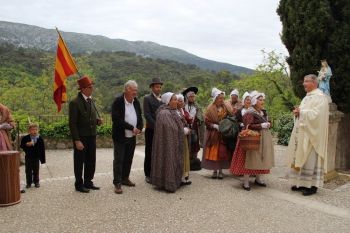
64 67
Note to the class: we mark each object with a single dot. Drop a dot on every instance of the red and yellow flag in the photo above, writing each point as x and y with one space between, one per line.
64 67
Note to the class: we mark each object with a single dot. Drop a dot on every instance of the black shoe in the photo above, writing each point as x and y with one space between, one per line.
195 164
195 168
188 182
23 191
260 184
28 186
148 179
309 191
82 189
220 176
92 186
37 185
245 188
297 189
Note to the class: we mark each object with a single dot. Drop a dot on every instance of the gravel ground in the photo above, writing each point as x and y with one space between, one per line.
205 206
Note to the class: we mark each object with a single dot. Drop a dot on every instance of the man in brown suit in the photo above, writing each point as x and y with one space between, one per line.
83 119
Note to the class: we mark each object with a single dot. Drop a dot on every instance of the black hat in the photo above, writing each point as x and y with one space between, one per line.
156 81
193 89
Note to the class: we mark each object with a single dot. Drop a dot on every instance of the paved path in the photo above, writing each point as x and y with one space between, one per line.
205 206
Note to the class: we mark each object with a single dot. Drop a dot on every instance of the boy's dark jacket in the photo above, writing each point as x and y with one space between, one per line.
36 151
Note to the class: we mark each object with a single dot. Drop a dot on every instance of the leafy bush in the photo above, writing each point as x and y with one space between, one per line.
284 127
104 130
22 121
59 129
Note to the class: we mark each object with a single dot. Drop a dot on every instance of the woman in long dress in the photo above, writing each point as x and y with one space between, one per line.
6 125
187 131
215 153
253 162
168 146
247 105
194 118
234 102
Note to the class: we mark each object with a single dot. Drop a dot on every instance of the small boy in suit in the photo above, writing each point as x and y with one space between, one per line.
34 148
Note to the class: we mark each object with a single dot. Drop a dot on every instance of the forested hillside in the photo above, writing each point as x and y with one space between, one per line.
26 84
26 77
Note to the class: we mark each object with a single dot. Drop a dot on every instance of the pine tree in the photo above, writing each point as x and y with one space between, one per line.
315 30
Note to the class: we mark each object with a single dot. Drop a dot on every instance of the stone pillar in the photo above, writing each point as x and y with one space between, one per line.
342 159
334 119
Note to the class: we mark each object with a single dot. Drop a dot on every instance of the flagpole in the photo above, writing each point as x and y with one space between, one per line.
64 43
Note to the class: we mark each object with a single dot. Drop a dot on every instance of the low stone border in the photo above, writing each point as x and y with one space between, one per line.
63 144
101 142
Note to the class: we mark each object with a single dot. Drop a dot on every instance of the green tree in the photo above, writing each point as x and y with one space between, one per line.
315 30
270 77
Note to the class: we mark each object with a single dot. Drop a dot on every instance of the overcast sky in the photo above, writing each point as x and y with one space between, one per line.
232 31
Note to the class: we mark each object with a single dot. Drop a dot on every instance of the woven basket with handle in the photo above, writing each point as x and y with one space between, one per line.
249 139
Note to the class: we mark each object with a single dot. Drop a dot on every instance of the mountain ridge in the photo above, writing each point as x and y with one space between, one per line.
30 36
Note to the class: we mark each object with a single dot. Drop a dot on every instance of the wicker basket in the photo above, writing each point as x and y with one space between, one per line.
249 142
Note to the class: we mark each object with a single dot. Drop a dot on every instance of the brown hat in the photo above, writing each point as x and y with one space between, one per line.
156 81
84 82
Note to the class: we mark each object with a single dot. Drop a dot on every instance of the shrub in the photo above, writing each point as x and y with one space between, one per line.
59 129
284 127
104 130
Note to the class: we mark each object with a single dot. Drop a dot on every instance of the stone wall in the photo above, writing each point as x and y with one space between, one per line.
63 144
101 142
342 161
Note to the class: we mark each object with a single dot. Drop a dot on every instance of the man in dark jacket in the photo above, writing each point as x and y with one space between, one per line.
127 123
151 103
83 119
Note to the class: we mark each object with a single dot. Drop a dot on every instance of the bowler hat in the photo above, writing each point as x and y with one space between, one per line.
155 81
84 82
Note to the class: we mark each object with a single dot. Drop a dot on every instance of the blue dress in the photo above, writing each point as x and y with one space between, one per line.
324 77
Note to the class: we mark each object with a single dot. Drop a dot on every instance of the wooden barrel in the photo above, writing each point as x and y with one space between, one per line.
9 178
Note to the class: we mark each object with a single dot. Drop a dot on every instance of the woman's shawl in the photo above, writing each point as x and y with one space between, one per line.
167 150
